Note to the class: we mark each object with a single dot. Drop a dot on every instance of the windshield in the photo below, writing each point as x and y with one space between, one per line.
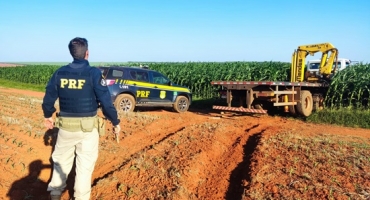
160 79
339 65
314 65
317 65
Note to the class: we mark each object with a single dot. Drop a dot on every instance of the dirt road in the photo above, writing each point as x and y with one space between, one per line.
161 154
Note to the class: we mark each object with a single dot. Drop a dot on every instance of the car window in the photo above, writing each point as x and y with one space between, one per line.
117 73
160 79
347 64
139 75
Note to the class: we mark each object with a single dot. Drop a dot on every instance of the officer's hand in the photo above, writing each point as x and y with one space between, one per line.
49 123
116 129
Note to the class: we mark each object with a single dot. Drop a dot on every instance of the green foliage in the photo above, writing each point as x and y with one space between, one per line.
33 74
195 75
350 88
23 86
351 117
199 75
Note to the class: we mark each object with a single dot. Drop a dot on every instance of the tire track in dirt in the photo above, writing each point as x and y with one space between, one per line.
168 177
239 177
127 160
225 180
134 143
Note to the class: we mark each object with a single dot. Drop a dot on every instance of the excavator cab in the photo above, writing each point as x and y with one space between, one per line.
326 67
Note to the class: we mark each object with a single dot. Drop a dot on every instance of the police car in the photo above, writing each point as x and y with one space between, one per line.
139 86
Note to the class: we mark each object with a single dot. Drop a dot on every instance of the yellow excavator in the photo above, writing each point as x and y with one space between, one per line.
326 68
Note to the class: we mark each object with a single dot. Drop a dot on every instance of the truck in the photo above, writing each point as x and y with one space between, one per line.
342 63
302 95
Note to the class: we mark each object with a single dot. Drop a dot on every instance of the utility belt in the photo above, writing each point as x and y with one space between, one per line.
85 124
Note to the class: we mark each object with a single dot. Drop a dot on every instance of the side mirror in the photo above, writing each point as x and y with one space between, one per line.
169 83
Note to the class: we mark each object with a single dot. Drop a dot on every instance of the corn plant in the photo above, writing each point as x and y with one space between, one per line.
350 88
195 75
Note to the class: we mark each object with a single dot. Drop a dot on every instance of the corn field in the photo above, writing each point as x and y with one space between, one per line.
349 88
33 74
195 75
198 76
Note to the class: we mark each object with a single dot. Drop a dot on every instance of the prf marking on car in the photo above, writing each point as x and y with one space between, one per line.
119 81
141 93
151 85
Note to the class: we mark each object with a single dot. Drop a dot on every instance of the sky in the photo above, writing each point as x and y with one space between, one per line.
181 30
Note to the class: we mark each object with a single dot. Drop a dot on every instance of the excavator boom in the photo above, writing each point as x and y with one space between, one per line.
326 64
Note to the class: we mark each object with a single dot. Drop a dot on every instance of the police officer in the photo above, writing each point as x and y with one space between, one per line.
80 88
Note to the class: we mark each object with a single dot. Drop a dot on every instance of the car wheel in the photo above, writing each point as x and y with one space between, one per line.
181 104
125 103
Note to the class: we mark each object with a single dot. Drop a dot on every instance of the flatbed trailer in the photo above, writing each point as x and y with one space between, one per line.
297 98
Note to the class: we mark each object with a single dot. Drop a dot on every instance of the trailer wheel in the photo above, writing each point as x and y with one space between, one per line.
305 105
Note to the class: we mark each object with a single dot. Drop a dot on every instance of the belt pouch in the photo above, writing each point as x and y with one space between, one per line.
87 124
70 124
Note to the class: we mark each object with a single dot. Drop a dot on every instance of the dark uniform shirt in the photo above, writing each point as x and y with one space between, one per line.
80 89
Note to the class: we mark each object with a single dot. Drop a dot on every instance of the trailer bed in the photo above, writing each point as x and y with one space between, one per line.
272 83
279 93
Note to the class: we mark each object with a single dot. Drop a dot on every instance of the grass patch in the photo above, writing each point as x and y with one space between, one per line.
23 86
350 117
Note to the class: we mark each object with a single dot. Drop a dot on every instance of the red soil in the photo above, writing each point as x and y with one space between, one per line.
161 154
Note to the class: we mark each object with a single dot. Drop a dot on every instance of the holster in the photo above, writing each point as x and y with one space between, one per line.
101 125
56 123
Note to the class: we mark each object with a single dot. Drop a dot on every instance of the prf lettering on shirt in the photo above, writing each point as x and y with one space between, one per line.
140 93
72 83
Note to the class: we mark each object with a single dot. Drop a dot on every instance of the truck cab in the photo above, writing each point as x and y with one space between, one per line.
314 65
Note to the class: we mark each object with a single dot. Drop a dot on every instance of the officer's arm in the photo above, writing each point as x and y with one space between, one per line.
103 95
51 95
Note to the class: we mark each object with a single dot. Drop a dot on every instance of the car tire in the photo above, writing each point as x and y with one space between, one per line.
181 104
125 103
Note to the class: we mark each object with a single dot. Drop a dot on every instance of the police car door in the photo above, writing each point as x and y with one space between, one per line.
162 91
142 87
